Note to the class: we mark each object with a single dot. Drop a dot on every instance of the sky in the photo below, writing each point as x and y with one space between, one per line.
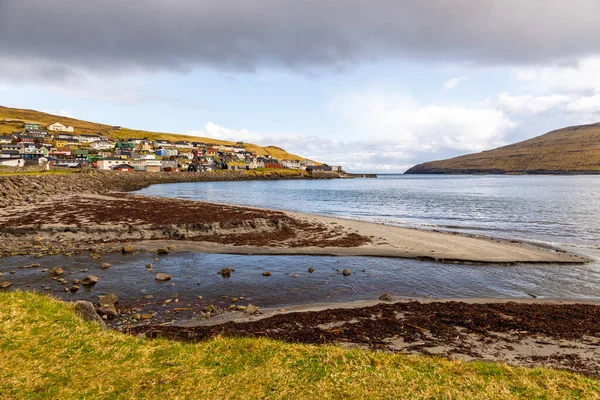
373 86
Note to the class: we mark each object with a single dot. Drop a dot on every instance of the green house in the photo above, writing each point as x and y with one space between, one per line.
31 125
125 146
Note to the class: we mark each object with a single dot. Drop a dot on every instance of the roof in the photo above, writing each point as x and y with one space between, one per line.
112 158
122 166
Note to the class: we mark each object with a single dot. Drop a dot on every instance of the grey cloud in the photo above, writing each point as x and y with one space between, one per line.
63 36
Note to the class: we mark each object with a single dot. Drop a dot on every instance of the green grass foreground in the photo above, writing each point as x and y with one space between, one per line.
48 352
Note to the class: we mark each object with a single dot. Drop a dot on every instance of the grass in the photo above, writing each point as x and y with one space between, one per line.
49 172
47 352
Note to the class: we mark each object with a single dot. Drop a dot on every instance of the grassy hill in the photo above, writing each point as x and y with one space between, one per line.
571 150
87 127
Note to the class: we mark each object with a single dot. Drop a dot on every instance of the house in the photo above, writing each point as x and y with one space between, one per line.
102 145
116 128
319 168
168 165
123 168
109 163
66 143
293 164
211 152
26 139
238 149
58 127
146 165
182 144
37 133
12 162
31 125
236 165
124 147
161 152
143 144
88 138
81 155
198 144
10 154
60 152
13 146
6 139
271 163
163 144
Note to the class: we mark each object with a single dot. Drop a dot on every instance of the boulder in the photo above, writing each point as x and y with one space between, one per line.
5 284
266 273
89 280
386 297
106 305
208 309
85 310
163 277
74 288
106 265
251 309
311 270
162 251
56 271
127 249
225 272
149 266
346 272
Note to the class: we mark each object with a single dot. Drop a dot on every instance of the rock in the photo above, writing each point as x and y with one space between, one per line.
89 280
346 272
31 266
137 317
127 249
149 296
311 270
95 256
106 305
149 266
251 309
295 275
12 272
56 271
106 265
84 270
5 284
199 297
162 251
163 277
38 240
234 299
74 288
1 274
171 247
75 281
241 308
208 309
266 273
225 272
85 310
386 297
146 316
110 298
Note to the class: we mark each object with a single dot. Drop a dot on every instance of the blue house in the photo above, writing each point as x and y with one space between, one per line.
161 152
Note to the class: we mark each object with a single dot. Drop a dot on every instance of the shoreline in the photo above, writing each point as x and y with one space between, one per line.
522 332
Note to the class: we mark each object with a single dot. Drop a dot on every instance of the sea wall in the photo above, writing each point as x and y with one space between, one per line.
21 189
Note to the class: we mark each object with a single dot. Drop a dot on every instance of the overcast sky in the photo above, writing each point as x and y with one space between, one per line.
374 85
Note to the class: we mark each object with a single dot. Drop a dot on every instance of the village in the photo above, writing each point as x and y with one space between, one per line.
59 146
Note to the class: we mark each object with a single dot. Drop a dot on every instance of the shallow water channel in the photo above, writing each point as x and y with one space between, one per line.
371 276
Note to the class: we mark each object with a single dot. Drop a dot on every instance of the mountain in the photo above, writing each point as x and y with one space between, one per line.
572 150
20 115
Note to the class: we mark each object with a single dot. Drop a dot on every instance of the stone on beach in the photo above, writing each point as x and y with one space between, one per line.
56 271
208 309
386 297
74 288
346 272
106 305
5 284
162 251
127 249
266 273
311 270
89 280
85 310
163 277
106 265
251 309
225 272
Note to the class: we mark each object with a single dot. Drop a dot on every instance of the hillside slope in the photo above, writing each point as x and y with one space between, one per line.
572 150
87 127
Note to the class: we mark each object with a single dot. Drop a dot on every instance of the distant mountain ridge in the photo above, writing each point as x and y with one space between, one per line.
7 126
571 150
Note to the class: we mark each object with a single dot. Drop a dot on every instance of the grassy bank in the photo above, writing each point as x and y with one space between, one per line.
47 352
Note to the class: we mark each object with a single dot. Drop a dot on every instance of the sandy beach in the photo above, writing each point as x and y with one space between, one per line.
86 222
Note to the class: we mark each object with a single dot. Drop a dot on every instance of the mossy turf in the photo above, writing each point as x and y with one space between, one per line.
46 351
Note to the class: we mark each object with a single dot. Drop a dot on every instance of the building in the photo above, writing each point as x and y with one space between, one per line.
6 139
108 163
88 138
12 162
102 145
66 143
31 125
58 127
123 168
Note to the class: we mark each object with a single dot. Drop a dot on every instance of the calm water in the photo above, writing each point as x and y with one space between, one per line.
553 209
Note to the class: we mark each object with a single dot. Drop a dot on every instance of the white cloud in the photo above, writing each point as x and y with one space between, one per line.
387 133
65 113
453 83
581 77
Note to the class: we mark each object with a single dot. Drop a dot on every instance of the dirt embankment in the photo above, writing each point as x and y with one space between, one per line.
22 189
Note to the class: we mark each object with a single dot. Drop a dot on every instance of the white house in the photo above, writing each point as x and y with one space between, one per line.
58 127
88 138
12 162
102 145
109 162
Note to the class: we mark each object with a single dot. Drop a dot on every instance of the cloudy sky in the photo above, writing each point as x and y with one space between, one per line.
374 85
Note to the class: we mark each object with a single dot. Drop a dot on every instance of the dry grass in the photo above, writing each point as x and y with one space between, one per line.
574 149
47 352
124 133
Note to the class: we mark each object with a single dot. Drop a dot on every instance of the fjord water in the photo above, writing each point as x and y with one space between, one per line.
560 210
